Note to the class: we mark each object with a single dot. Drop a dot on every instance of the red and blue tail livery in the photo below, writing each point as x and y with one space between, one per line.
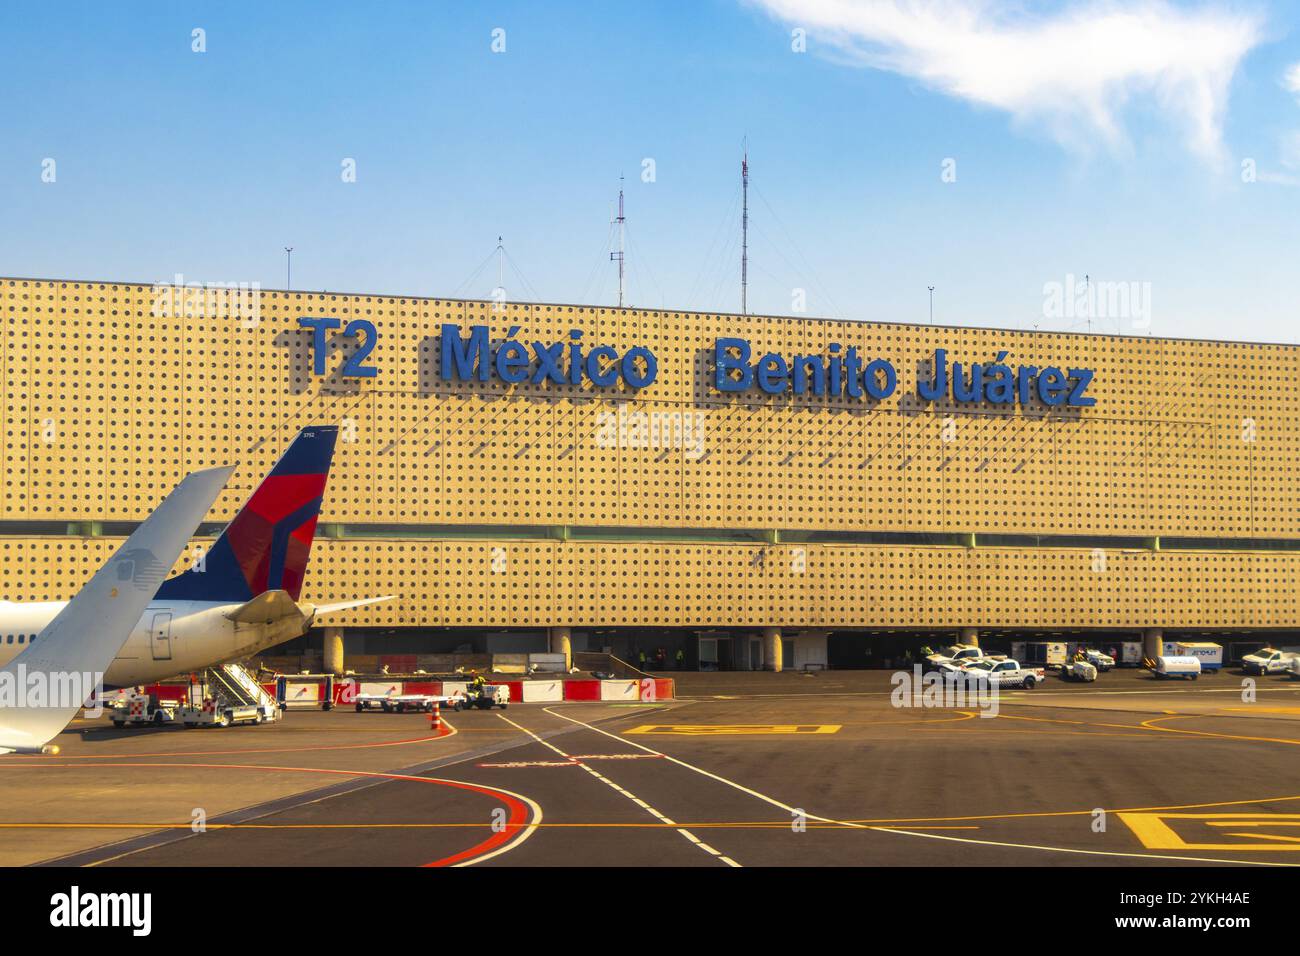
265 548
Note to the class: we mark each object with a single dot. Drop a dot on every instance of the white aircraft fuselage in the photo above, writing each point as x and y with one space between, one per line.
172 637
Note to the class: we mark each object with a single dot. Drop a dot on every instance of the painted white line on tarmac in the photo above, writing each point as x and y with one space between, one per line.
682 763
931 836
523 834
627 793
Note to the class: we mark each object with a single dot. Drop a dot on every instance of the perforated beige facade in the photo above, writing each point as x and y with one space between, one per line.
478 503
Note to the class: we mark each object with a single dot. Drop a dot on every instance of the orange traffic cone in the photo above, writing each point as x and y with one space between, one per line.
435 718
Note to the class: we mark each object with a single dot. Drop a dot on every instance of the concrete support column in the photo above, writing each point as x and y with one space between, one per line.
1152 639
772 649
970 635
562 644
334 650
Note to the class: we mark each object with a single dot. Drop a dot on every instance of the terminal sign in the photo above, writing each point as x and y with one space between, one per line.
841 371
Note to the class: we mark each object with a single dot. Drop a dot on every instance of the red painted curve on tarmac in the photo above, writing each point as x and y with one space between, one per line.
518 810
518 817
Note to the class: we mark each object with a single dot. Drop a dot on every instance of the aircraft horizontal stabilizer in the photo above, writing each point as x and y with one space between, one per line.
266 608
318 610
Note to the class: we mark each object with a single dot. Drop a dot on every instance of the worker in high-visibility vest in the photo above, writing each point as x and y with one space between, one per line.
681 658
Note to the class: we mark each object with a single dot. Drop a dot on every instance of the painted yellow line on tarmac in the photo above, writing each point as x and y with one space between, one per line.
965 827
1156 834
1150 725
926 836
905 821
1061 720
1290 820
477 825
1257 709
735 730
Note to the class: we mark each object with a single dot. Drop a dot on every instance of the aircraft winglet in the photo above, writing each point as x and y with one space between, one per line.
89 632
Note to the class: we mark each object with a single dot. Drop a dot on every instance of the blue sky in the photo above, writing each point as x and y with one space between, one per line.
207 164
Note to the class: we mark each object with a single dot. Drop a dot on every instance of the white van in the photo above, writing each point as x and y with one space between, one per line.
1130 652
1040 653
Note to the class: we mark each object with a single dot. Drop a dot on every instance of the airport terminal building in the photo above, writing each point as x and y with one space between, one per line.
757 491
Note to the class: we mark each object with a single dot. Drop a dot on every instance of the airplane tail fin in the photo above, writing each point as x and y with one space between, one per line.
266 546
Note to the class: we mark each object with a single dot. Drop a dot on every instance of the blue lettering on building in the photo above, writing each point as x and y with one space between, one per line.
836 374
841 371
476 356
354 366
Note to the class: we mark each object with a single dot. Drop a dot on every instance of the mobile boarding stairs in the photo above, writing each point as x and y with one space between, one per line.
219 697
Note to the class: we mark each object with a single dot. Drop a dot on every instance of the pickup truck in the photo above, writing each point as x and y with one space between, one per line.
1004 673
1267 661
1099 659
957 654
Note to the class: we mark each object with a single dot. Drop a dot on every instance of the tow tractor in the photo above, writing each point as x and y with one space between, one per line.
484 697
135 710
1079 670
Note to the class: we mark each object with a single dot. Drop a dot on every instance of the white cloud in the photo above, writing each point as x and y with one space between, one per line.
1291 80
1074 70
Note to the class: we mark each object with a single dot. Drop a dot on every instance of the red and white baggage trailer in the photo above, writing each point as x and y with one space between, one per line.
399 703
305 691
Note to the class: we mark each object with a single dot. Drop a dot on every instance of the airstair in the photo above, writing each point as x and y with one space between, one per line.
231 695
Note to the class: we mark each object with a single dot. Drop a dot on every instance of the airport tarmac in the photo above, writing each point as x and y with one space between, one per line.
741 770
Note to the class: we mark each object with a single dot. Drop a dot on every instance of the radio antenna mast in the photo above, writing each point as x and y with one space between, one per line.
744 230
618 256
500 291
